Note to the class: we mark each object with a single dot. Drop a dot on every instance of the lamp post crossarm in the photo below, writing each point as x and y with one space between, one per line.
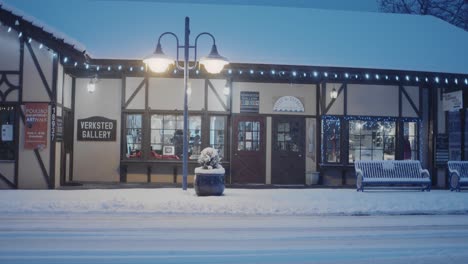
178 66
195 46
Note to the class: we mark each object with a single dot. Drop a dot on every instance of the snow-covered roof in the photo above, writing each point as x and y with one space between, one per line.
51 32
270 35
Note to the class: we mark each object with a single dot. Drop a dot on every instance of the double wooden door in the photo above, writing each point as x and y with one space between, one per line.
248 149
288 150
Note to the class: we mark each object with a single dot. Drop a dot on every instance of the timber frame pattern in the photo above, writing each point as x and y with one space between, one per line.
237 72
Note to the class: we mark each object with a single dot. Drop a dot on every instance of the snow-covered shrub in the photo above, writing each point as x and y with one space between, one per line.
209 159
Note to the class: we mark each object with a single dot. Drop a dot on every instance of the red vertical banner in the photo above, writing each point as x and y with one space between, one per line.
35 129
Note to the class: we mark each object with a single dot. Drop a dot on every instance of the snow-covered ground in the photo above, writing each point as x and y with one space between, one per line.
243 226
295 202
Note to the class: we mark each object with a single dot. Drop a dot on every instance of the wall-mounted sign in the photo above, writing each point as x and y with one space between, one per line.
288 104
35 130
96 128
249 102
453 101
442 149
7 132
59 128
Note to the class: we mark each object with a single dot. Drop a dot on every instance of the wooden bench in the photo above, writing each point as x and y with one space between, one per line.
458 174
390 173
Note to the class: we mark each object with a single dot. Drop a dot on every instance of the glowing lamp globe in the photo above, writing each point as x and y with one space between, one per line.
158 61
214 63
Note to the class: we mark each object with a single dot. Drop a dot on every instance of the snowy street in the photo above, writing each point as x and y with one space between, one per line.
232 239
242 226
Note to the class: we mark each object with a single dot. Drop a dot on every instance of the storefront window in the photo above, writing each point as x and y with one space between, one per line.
371 140
217 125
331 129
248 136
7 140
134 136
167 136
410 140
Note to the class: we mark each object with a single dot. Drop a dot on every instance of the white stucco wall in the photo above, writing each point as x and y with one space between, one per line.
97 161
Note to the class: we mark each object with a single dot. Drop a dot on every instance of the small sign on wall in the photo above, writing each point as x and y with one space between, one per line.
453 101
7 133
96 128
249 102
35 130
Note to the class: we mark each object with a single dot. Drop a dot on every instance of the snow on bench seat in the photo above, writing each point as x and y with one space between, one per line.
458 174
391 172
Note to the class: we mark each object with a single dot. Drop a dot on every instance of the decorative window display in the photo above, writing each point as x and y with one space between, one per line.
167 136
217 128
371 140
331 140
7 140
134 136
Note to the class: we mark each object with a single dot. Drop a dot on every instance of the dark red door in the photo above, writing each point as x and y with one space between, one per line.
248 159
288 150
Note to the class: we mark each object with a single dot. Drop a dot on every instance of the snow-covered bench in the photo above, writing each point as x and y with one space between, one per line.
458 171
391 172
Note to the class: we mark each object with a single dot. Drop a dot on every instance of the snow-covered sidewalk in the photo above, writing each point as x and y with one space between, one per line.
234 202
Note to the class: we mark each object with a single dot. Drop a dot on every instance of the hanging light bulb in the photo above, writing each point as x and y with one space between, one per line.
92 84
334 93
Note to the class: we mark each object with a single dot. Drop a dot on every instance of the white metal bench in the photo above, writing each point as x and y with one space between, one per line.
391 172
458 174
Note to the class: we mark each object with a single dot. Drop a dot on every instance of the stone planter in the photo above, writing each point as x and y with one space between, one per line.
209 182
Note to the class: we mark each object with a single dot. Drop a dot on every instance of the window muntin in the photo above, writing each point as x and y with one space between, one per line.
331 129
217 134
410 140
167 136
286 138
7 126
371 140
133 136
248 136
